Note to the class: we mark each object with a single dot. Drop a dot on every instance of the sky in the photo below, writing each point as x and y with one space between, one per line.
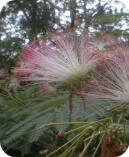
2 3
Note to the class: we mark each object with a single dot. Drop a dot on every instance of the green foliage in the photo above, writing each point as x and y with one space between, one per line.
21 22
28 117
10 49
22 115
85 135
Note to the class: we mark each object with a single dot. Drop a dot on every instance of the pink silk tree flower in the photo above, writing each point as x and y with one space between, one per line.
114 84
103 40
65 57
109 46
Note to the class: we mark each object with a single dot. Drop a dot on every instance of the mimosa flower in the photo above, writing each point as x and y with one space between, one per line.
66 57
114 84
102 41
109 46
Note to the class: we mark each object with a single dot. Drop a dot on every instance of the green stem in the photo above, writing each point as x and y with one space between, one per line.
64 145
83 154
68 132
98 146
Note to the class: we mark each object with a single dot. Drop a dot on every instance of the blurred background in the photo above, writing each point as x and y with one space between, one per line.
25 21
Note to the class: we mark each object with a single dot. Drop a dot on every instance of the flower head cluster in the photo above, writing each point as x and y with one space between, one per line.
64 57
70 58
114 84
